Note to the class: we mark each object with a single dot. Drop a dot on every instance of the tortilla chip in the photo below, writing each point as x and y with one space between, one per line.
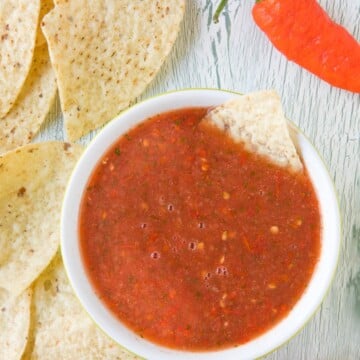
33 180
62 329
257 120
23 121
14 326
105 53
18 25
45 7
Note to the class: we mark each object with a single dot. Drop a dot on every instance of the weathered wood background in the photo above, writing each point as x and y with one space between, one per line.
234 54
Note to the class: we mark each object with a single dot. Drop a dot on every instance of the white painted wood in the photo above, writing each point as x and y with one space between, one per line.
234 54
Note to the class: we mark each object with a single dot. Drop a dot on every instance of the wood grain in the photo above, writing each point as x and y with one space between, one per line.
234 54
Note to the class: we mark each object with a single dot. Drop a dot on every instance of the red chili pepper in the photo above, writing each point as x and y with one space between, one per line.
305 34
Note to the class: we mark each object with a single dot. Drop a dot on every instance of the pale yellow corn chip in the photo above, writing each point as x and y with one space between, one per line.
23 121
62 329
105 53
33 180
14 325
18 25
45 7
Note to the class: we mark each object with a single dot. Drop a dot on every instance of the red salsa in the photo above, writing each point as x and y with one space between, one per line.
193 242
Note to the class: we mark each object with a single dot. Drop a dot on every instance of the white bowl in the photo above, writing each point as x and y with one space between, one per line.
276 336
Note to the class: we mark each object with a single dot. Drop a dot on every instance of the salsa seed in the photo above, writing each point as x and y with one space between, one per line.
272 286
104 215
226 195
111 167
222 303
222 259
298 222
274 230
145 143
205 167
224 296
224 235
200 246
226 324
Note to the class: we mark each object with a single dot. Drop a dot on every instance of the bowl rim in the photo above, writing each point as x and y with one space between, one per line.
67 247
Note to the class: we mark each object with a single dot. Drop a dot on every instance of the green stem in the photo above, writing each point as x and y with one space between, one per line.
219 10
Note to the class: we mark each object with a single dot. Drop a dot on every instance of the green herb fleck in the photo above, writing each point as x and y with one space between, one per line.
117 151
179 121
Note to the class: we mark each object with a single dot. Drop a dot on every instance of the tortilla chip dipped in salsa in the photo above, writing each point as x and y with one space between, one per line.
198 240
257 121
105 53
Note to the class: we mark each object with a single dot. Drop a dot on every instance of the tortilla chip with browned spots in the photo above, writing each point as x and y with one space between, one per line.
23 121
18 25
105 53
33 179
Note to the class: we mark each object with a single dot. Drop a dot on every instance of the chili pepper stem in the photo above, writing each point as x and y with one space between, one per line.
219 10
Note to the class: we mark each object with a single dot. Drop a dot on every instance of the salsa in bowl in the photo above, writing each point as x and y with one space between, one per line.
181 243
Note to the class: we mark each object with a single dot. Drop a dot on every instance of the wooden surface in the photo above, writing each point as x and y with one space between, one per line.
234 54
